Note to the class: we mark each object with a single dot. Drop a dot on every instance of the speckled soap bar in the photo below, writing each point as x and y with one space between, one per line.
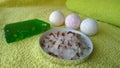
21 30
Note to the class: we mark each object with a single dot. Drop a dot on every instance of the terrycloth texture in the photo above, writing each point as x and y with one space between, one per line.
103 10
23 3
27 54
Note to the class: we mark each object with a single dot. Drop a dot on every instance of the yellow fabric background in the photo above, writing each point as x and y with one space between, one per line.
24 3
27 54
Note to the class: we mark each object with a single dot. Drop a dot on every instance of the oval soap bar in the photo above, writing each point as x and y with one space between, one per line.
72 21
56 18
89 26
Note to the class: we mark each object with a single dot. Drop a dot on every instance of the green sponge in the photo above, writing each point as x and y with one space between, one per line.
20 30
104 10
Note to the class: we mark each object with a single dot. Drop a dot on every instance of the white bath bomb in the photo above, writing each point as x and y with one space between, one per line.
72 21
89 26
56 18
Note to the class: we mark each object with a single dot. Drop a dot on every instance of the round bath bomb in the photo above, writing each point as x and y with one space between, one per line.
89 26
56 18
72 21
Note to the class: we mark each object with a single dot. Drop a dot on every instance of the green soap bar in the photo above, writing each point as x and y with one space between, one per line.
21 30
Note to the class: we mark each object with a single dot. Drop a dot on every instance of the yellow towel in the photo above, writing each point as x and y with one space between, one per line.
18 3
27 54
102 10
